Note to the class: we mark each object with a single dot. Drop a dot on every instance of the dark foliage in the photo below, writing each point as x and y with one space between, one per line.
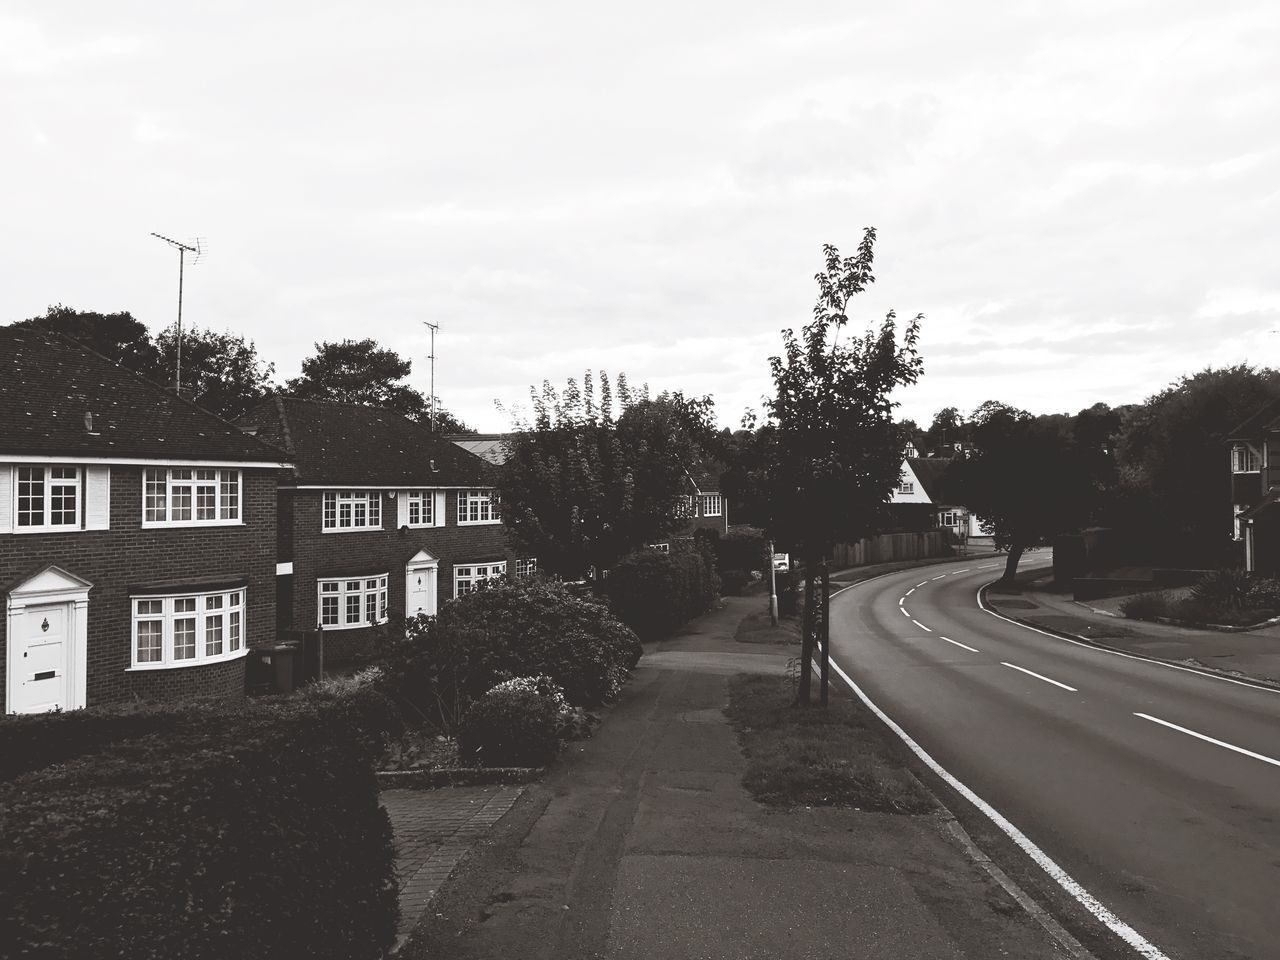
733 582
255 833
743 549
510 728
654 593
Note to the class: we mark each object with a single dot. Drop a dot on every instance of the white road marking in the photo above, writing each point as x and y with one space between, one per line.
920 584
922 626
1132 937
1038 676
1116 653
958 643
901 601
1201 736
937 578
964 570
911 591
904 611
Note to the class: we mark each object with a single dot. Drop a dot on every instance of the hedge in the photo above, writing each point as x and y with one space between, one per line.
510 727
254 834
654 593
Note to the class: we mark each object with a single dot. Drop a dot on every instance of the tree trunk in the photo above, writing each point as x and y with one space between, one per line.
826 631
1011 563
807 634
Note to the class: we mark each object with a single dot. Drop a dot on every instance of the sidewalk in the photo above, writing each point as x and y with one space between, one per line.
647 845
1255 654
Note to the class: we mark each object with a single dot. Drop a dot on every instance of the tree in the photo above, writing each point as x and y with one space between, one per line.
838 451
361 371
220 371
1028 477
580 488
947 430
745 481
117 336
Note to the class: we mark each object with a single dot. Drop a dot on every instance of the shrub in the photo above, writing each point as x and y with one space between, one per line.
653 593
510 628
742 548
1222 589
1146 606
256 833
733 582
513 725
1263 594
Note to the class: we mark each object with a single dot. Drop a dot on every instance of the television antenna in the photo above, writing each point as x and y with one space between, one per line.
183 249
433 327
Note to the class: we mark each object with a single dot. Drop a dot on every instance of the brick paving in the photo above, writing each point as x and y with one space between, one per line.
433 830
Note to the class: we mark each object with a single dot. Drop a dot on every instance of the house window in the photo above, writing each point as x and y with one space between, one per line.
48 498
949 518
1244 459
467 578
186 496
907 486
477 506
358 510
660 547
421 510
712 505
1237 529
353 602
527 567
181 631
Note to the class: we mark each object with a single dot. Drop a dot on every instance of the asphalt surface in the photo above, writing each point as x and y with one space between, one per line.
1179 836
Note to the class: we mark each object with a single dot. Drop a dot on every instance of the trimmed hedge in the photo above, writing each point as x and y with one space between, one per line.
251 834
654 593
510 728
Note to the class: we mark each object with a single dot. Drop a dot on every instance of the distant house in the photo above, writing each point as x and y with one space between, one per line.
1255 489
919 487
137 535
381 520
701 505
487 446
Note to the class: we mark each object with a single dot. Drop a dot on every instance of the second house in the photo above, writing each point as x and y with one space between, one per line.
382 520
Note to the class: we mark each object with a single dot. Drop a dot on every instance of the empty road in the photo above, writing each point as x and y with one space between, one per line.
1157 789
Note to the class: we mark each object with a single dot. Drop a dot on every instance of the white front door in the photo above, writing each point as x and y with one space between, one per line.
420 589
41 654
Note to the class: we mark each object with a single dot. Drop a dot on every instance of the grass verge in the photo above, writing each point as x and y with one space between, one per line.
836 756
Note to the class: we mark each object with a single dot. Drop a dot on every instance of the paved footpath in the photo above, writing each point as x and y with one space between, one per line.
433 830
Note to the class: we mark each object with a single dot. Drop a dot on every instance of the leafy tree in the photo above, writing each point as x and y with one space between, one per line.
117 336
580 488
745 481
361 371
220 371
947 429
837 452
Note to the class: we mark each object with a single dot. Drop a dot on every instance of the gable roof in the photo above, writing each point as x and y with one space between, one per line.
929 471
351 444
489 446
49 384
1259 424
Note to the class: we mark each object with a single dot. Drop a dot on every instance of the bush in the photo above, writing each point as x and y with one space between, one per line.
255 833
513 725
510 628
1222 589
1146 606
742 548
654 593
733 582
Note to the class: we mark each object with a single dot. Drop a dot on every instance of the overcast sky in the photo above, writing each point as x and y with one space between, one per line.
1082 198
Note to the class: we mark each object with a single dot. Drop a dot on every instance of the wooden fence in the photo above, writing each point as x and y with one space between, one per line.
888 547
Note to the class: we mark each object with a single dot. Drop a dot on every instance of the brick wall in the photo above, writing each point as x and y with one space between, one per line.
318 556
125 554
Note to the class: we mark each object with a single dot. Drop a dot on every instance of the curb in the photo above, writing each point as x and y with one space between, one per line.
1260 682
1218 627
429 779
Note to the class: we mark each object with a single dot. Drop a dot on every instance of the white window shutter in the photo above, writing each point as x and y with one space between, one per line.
97 498
6 498
402 508
439 512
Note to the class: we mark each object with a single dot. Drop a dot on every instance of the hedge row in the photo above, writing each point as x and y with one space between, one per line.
251 833
654 593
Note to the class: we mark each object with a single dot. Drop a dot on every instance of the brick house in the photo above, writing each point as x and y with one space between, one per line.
381 519
702 506
1255 489
137 535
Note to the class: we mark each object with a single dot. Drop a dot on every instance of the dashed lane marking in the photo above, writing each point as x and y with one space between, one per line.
958 643
922 626
1208 739
911 591
904 611
1038 676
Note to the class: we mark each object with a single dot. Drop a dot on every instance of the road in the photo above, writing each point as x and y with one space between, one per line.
1100 760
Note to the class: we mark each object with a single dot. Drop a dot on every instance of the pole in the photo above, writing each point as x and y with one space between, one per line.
177 374
773 587
433 327
826 629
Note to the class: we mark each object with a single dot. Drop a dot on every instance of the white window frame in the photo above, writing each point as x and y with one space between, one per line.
660 547
1245 459
907 487
367 586
526 566
950 518
224 513
687 507
425 501
476 507
1237 525
468 575
48 483
228 607
712 505
368 501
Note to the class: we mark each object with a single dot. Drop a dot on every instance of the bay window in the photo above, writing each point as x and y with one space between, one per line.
179 631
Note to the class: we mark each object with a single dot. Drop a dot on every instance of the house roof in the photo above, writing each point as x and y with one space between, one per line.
1266 420
929 471
489 446
1266 503
50 385
351 444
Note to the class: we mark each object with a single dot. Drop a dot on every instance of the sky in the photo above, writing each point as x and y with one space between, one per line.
1081 198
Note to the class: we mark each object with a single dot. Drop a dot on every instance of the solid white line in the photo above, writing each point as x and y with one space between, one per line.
1038 676
922 626
904 611
911 591
958 643
1201 736
1082 896
1116 653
